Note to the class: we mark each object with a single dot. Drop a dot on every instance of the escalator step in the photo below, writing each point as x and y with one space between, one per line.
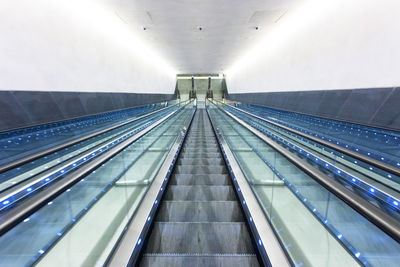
202 149
201 169
200 179
200 211
188 237
199 193
221 260
204 161
211 155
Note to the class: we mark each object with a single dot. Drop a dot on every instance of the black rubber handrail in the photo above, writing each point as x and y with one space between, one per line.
17 163
371 161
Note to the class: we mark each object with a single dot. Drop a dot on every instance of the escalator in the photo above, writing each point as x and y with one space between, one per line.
200 221
203 186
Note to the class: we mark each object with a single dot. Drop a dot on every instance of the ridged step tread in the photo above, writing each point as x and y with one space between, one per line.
210 155
200 211
201 169
203 161
188 237
199 193
200 179
211 150
200 260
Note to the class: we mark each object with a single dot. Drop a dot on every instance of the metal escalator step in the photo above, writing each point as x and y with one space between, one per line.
200 211
200 179
200 260
199 193
201 169
202 149
212 155
189 237
207 140
200 146
211 161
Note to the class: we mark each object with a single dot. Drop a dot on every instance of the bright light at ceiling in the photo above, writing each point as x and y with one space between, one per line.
308 11
103 19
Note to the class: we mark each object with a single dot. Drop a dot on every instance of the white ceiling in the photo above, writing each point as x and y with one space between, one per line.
228 28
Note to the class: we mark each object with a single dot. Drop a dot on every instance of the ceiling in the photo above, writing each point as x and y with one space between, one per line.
228 28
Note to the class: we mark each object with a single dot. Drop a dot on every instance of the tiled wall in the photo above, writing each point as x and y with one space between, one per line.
26 108
378 107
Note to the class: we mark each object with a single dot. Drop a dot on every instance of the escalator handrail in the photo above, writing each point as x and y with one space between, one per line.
17 163
24 210
371 161
383 221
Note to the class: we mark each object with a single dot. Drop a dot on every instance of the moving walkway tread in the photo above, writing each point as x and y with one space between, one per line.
200 221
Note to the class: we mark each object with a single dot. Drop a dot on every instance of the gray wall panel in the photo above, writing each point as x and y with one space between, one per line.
329 103
379 107
10 111
361 105
69 104
389 113
38 106
27 108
